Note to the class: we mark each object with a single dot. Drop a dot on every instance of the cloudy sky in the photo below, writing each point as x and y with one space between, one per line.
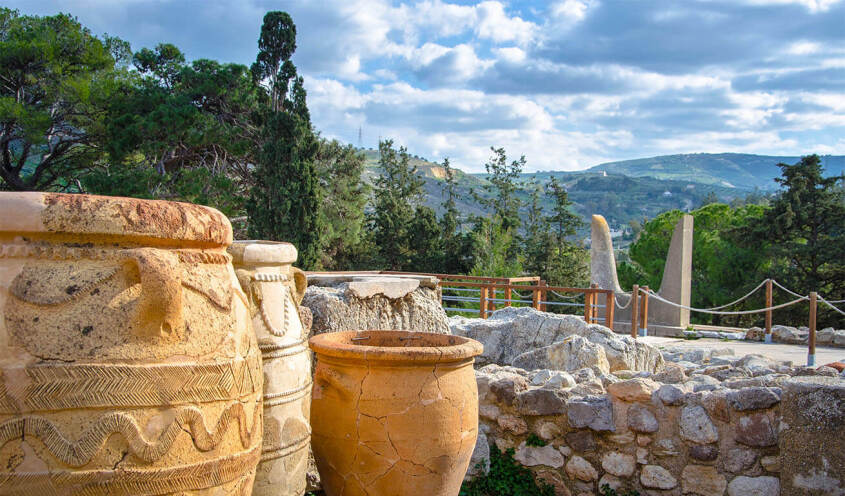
567 83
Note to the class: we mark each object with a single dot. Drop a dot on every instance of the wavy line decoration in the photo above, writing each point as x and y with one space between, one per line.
80 452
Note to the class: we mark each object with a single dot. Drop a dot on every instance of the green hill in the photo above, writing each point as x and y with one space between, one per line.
620 198
731 170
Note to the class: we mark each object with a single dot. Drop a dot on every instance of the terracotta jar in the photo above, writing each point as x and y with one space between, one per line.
274 290
128 362
393 412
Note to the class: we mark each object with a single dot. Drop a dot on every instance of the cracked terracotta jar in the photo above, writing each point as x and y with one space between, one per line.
393 412
127 357
274 289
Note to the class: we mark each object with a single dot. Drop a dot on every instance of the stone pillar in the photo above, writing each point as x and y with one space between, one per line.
812 436
677 277
676 285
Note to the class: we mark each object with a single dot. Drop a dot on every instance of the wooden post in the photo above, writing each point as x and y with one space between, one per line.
535 298
544 295
491 295
811 356
644 311
609 304
635 308
482 302
768 337
595 301
588 305
508 295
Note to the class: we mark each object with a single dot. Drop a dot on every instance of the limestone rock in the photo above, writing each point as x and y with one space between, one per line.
790 335
754 486
618 464
512 424
697 427
531 456
579 468
507 387
704 452
512 331
756 430
657 477
595 412
343 306
673 374
572 353
703 480
770 463
548 430
640 419
671 395
479 463
633 389
581 441
541 401
754 398
739 459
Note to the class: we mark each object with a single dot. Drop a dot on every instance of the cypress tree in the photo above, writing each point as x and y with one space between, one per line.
284 201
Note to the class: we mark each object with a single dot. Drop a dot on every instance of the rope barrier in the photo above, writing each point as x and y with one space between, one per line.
622 307
743 298
565 297
793 293
830 305
654 295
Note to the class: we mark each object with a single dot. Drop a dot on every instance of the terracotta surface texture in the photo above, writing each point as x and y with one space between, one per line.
274 289
393 412
128 362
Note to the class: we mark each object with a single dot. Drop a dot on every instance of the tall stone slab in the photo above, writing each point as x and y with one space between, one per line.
676 285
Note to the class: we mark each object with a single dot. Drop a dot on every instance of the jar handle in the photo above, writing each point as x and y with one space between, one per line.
160 303
300 284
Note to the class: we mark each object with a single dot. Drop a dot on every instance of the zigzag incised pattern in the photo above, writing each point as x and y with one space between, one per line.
57 252
77 454
56 387
132 482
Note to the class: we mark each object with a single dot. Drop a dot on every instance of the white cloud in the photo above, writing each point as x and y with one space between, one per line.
811 5
494 24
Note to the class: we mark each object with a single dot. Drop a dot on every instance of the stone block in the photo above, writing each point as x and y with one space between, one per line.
657 477
703 480
697 427
595 412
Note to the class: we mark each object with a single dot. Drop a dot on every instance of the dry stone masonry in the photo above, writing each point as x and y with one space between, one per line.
702 423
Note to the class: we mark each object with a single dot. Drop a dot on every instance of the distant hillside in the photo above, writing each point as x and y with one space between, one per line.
618 197
731 170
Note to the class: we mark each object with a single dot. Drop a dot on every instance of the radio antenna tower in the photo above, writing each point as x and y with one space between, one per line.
360 138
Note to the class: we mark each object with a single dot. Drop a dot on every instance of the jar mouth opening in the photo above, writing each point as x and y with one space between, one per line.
395 345
95 219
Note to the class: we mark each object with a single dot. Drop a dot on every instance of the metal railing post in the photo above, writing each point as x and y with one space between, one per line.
635 308
768 336
811 355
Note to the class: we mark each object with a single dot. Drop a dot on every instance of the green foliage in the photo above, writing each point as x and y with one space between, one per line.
723 269
284 202
58 79
398 191
606 490
505 478
535 440
344 196
804 231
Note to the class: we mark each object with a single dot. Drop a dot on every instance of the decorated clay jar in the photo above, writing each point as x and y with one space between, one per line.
128 362
274 290
393 412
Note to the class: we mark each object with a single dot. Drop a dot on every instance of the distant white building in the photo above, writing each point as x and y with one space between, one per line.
667 193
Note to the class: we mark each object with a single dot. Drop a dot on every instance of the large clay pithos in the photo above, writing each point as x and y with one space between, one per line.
274 290
393 412
128 362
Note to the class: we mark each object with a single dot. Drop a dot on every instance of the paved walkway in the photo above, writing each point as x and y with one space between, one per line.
775 351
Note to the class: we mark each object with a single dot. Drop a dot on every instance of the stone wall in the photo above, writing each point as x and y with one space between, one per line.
713 430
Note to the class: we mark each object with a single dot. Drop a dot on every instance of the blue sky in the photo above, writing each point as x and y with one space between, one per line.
568 83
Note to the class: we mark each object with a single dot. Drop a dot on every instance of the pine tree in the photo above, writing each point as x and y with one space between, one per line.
805 228
284 202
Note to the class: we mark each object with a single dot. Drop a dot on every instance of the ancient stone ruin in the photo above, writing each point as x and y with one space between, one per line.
607 410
